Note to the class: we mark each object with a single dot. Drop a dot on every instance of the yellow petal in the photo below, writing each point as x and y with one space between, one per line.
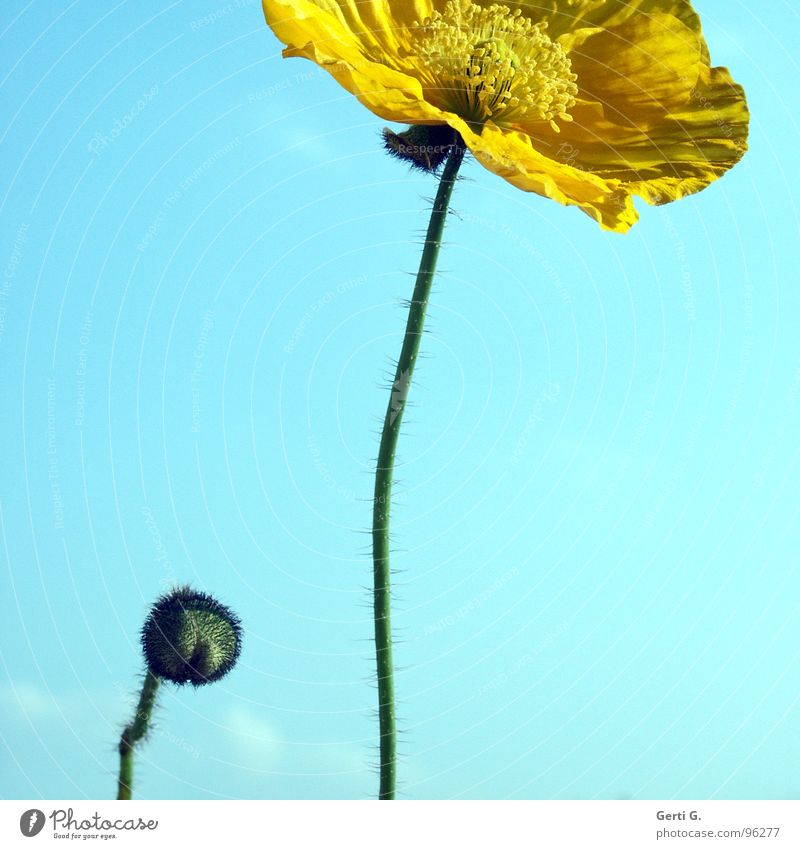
567 16
640 69
356 43
651 113
699 144
511 155
372 23
652 117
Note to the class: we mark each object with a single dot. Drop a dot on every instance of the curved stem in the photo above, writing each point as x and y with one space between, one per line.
134 732
383 475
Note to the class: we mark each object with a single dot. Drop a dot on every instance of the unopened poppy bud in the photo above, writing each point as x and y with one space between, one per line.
190 638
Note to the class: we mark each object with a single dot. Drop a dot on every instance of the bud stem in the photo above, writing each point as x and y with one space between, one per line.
134 732
385 469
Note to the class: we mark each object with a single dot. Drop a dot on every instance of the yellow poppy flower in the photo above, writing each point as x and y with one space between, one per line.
587 102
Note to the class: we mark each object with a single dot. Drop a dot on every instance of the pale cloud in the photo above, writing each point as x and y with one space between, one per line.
26 699
257 742
254 740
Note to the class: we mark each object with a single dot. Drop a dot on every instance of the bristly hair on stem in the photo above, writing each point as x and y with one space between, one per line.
135 732
187 638
398 397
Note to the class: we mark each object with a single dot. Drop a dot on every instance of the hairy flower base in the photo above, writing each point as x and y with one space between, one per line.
587 102
423 148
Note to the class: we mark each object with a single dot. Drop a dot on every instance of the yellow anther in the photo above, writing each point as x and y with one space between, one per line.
491 62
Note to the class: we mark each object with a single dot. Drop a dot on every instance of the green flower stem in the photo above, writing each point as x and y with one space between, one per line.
134 732
384 472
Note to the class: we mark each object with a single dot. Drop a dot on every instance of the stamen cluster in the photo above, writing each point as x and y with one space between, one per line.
491 62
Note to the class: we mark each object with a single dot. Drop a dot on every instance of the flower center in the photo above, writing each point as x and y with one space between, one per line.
492 62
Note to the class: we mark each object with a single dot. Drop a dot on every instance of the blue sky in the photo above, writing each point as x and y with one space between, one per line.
596 525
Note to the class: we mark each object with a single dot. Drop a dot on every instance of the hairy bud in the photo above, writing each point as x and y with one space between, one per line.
190 638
